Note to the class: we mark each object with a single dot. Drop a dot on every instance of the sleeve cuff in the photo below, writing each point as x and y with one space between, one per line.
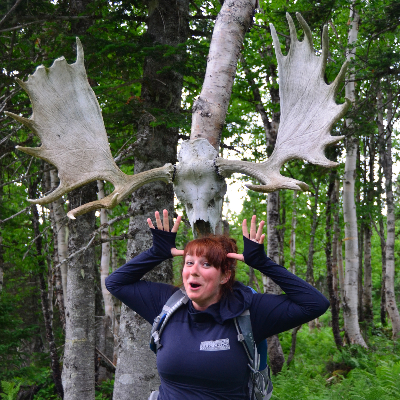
254 253
163 242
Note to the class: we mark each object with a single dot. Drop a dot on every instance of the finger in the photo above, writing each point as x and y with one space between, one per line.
165 220
176 225
244 228
253 227
176 253
158 221
151 226
259 230
261 241
235 256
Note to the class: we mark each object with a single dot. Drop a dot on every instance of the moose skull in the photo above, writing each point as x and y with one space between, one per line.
197 184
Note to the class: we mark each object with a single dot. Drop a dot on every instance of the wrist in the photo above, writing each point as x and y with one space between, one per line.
163 242
254 253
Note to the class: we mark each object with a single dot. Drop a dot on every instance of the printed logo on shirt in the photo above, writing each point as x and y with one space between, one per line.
215 345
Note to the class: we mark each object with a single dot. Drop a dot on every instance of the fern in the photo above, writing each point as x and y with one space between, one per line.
10 390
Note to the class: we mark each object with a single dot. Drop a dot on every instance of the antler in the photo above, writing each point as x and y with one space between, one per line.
308 113
67 118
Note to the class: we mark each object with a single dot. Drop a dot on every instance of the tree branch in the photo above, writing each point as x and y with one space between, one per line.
13 216
40 21
12 9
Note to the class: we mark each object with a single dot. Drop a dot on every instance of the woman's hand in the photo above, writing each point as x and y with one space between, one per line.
256 235
164 226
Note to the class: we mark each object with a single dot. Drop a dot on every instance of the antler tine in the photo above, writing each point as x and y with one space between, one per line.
80 56
307 31
325 49
308 112
275 40
339 79
122 191
292 29
67 119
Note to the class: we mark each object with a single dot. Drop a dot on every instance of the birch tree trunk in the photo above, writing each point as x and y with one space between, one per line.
314 222
79 353
136 373
367 292
293 235
116 309
331 195
391 305
105 331
339 253
381 230
59 218
275 352
350 299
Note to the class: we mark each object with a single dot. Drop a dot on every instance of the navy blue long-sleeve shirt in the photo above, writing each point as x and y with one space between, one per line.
200 357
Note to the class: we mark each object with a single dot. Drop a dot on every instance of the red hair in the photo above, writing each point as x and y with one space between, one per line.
215 249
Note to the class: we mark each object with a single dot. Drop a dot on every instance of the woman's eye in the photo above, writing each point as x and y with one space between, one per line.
206 264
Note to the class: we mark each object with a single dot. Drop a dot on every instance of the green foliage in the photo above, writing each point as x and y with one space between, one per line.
10 390
104 390
13 334
321 372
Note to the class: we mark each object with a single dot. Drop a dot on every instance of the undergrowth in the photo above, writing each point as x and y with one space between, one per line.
320 371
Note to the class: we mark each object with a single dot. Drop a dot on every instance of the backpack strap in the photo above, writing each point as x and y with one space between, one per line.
245 334
260 384
173 303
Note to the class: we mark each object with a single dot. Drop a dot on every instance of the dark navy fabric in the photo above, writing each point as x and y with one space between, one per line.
188 368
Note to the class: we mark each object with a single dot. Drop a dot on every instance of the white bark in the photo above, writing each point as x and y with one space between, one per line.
105 256
293 235
60 219
209 110
350 290
391 305
105 329
116 308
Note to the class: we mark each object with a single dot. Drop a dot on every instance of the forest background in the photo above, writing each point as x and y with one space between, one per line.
121 46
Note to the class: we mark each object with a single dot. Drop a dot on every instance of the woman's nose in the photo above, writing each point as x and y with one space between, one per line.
195 269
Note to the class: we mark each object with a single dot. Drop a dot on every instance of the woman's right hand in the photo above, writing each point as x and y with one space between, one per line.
164 226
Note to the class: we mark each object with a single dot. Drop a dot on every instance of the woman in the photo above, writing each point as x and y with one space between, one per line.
187 367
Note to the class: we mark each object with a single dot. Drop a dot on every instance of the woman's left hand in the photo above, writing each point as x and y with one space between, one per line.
164 226
256 235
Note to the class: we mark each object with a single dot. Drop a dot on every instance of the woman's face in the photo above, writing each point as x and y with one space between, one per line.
202 281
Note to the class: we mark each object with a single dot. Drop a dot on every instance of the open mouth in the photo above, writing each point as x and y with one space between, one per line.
194 285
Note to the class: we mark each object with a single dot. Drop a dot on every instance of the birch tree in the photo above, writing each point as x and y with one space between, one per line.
391 304
350 291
